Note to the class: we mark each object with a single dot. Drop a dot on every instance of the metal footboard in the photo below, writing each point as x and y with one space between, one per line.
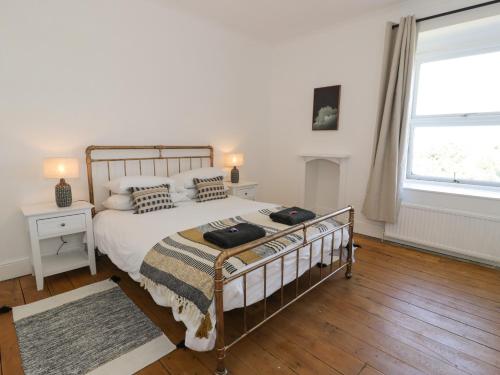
221 347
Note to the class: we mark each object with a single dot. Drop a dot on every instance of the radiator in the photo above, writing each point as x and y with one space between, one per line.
459 233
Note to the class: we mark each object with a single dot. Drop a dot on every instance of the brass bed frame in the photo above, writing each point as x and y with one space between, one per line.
325 271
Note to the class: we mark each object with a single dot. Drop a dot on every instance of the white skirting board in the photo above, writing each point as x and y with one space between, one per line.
463 234
15 268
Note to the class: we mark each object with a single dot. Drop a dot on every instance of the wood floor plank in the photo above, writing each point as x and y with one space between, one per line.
376 339
9 349
431 348
81 277
466 269
441 335
474 288
296 357
233 363
260 360
358 348
424 283
58 284
10 295
30 293
325 350
411 285
425 303
453 326
154 369
184 362
452 272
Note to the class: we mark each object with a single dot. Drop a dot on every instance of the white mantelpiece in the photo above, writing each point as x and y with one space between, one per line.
342 160
336 158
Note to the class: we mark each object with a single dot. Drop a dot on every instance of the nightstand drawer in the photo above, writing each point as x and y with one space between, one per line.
246 193
61 225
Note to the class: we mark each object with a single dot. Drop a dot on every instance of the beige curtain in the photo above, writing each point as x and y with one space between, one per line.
383 194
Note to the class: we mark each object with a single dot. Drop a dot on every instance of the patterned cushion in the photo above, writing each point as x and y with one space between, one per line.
153 198
210 188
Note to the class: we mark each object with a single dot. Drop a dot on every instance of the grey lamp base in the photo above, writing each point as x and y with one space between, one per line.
235 175
63 194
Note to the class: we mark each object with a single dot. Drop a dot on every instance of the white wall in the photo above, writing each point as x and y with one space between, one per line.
352 55
75 73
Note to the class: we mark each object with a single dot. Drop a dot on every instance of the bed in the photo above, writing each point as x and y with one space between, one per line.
126 238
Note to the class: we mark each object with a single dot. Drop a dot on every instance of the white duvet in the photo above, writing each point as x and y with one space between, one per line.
126 238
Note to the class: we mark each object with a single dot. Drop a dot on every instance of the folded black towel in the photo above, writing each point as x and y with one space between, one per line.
292 216
235 235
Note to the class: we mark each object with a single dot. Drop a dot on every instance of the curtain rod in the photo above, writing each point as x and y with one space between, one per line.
453 11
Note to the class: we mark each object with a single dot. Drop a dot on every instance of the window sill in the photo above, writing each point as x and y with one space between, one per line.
444 188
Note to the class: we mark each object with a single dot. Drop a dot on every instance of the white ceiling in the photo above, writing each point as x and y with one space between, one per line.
277 20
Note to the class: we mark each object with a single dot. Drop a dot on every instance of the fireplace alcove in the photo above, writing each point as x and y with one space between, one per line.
324 181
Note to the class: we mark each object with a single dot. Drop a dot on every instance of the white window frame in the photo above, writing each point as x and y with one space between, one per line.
458 119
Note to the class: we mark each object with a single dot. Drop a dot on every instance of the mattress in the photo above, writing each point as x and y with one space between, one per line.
126 238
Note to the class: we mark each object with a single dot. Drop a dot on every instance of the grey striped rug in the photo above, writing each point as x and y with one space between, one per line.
95 329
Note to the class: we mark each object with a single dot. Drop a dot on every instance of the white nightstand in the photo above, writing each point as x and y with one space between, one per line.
245 190
49 221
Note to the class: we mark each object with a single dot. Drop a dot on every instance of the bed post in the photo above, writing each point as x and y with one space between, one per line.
88 162
348 271
220 346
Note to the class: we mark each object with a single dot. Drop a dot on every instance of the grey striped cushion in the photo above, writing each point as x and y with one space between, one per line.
153 198
210 188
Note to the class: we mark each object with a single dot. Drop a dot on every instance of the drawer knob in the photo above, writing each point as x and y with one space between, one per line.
63 224
246 193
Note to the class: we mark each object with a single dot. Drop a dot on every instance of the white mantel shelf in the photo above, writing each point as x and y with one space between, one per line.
323 155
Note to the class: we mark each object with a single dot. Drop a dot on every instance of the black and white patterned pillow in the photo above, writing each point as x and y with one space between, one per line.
153 198
210 188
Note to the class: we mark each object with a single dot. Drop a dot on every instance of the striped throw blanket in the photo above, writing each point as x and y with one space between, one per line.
181 266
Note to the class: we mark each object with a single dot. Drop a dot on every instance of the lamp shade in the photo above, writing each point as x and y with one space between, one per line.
234 160
61 168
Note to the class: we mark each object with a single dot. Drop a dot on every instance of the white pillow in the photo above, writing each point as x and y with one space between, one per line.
184 180
180 197
122 185
119 202
190 193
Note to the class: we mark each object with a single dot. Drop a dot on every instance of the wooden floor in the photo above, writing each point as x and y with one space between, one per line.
403 312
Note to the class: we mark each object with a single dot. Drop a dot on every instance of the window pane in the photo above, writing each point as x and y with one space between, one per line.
468 84
470 152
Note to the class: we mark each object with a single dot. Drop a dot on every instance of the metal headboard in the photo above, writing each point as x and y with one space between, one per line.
156 160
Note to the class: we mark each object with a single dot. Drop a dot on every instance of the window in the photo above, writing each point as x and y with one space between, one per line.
455 121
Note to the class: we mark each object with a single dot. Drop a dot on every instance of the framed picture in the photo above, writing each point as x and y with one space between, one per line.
326 108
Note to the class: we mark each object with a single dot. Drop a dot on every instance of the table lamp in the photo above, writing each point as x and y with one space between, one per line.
234 160
62 168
